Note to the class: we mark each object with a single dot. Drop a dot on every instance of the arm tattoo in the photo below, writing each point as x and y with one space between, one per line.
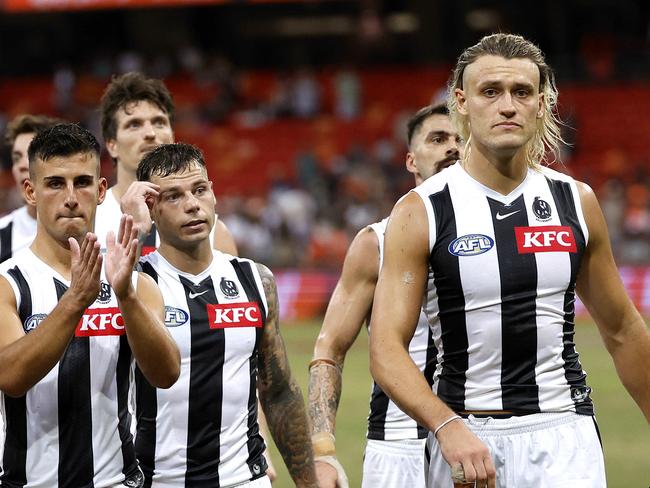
325 383
281 397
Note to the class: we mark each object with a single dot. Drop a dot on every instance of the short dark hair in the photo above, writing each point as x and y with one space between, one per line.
128 88
169 158
420 116
28 124
62 140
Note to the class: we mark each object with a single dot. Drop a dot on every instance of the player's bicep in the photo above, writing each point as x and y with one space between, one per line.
599 285
11 328
274 371
351 300
402 280
150 295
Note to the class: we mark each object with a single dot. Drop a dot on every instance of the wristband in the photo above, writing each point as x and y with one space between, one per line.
325 362
448 421
323 444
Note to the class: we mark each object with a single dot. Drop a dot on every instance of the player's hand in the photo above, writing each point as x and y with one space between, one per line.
86 267
462 449
137 201
121 256
328 476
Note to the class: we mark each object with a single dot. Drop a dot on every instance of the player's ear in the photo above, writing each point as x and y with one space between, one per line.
410 163
29 192
461 101
102 187
111 147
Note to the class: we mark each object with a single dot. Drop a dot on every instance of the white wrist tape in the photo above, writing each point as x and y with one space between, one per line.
342 480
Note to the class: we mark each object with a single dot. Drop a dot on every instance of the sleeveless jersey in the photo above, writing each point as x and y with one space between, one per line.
17 231
71 429
501 292
386 421
203 431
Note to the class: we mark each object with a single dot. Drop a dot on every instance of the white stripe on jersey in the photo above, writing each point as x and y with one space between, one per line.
386 421
17 231
48 442
174 405
470 207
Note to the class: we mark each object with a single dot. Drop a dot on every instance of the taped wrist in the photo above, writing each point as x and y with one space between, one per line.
342 479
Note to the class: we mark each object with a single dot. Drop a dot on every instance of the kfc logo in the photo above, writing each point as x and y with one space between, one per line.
550 238
100 322
246 314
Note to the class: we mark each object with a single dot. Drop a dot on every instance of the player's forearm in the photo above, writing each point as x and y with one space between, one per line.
399 377
29 359
153 347
631 350
287 419
325 384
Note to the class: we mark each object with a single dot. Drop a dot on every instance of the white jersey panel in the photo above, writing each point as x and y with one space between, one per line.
17 231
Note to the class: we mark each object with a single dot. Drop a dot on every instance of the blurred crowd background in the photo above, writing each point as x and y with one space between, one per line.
300 106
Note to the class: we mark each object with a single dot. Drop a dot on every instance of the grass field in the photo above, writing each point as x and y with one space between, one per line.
626 435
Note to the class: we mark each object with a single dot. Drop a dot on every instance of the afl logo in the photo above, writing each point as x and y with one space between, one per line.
175 317
33 321
471 245
541 209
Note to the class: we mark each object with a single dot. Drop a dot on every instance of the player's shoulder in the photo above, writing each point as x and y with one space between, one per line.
438 181
379 228
555 175
5 220
21 259
583 189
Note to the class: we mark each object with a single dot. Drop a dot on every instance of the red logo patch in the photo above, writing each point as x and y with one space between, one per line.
547 238
245 314
100 322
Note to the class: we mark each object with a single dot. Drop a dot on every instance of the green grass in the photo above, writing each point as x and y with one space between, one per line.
626 436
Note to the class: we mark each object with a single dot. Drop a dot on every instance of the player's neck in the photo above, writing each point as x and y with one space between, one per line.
31 211
52 252
192 260
123 180
501 173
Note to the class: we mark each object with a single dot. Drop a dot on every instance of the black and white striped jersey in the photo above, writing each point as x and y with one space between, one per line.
17 231
386 421
501 292
203 431
72 429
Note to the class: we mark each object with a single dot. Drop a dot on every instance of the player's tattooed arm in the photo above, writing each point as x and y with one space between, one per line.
325 384
346 313
280 395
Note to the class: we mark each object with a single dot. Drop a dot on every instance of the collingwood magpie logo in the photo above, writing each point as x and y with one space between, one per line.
228 288
580 393
104 293
541 209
